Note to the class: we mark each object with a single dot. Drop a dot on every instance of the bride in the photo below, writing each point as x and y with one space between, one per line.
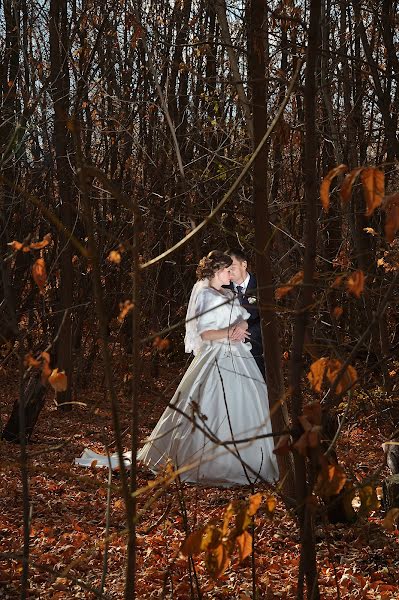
216 429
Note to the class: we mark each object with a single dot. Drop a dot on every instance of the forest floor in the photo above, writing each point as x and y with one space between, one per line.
69 512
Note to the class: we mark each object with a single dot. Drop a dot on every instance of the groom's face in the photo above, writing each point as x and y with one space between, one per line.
238 270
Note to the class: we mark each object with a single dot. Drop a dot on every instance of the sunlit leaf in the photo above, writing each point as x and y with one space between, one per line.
325 185
355 283
346 188
370 231
39 274
244 543
124 307
114 256
254 502
373 181
285 289
368 499
39 245
15 246
58 380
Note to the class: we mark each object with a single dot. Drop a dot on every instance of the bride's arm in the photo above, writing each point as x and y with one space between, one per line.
236 332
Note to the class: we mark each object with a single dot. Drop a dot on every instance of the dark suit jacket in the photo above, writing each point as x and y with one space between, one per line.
254 319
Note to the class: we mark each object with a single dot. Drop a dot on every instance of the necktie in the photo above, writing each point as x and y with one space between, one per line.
240 295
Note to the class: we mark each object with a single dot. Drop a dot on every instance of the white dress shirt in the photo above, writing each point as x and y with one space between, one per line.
244 284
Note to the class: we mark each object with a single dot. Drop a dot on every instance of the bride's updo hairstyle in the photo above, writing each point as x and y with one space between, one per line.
214 261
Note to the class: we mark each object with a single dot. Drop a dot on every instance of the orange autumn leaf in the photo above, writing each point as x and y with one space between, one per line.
330 368
125 308
29 361
161 343
254 502
317 372
390 206
283 445
337 312
39 274
58 380
346 381
244 543
355 283
346 188
114 256
217 560
285 289
39 245
373 181
15 246
325 185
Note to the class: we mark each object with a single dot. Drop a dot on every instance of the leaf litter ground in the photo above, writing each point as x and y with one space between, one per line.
69 514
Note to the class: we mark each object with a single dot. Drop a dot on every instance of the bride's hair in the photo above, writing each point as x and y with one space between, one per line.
208 265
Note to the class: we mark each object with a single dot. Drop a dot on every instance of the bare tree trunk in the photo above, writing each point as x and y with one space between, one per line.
304 473
256 64
59 44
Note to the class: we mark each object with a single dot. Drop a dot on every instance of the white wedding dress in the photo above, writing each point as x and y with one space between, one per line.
221 401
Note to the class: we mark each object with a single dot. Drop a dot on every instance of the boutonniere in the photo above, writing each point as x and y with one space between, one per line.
251 300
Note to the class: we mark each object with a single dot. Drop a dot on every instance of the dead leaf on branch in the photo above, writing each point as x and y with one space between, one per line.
39 274
329 368
125 308
26 247
373 181
355 283
326 183
114 257
346 188
337 312
390 206
285 289
330 481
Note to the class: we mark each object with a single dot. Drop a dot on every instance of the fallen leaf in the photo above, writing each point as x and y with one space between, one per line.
390 519
114 256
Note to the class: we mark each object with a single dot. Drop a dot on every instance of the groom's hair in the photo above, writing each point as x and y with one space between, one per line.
239 254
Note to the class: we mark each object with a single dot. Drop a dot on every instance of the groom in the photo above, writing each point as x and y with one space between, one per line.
244 285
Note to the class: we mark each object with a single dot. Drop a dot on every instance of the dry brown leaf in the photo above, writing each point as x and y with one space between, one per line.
29 361
373 181
330 480
316 373
370 231
346 188
337 312
355 283
283 445
254 502
285 289
325 185
390 519
58 380
39 274
390 206
217 560
244 542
